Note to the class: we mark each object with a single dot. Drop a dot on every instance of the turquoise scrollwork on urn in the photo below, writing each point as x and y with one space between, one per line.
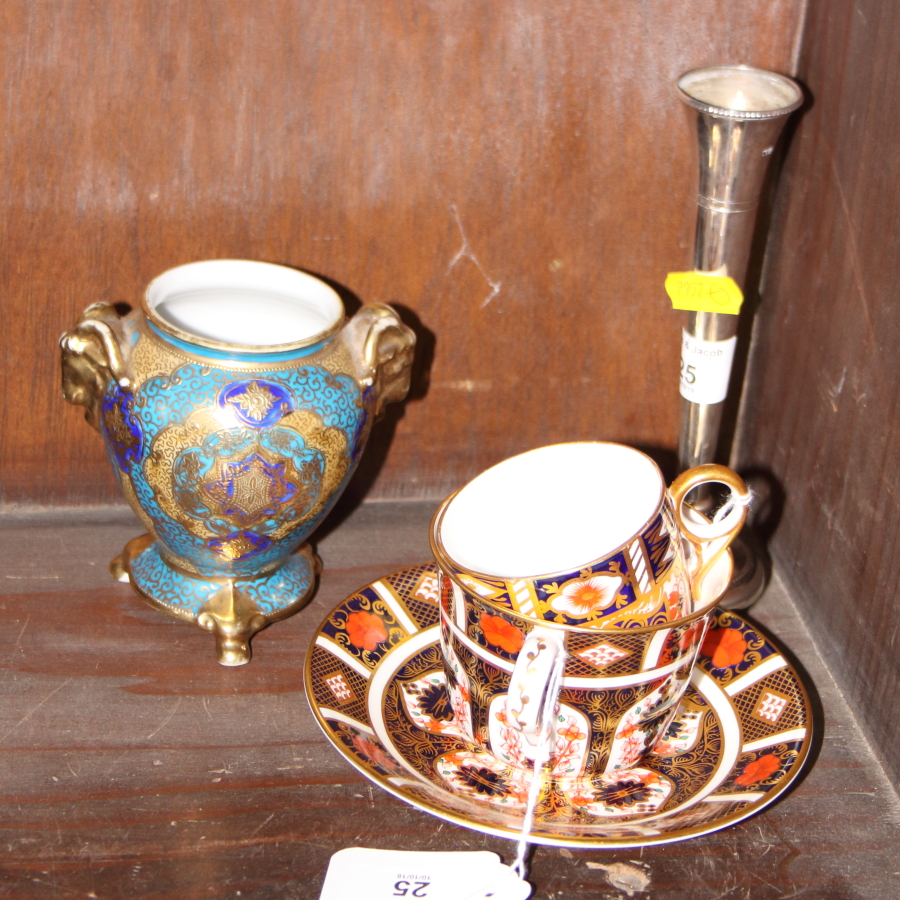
235 406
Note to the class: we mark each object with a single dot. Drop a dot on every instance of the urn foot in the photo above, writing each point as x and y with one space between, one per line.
233 609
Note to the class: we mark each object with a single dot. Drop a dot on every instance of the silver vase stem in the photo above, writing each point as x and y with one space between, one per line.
738 113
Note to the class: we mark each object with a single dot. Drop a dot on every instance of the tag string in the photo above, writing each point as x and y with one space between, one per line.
541 757
732 501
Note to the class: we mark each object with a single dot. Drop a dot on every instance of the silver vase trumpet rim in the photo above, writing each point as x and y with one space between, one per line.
739 92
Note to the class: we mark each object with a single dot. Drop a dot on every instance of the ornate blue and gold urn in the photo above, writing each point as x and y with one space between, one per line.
235 405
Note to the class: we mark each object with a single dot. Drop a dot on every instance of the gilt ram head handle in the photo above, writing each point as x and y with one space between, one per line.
92 357
388 348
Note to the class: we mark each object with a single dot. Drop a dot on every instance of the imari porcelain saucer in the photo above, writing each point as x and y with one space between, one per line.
375 681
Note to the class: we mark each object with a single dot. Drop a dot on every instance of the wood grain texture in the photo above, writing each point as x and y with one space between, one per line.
515 176
822 397
131 765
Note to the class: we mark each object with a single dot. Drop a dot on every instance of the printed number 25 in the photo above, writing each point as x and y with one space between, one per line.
401 889
688 373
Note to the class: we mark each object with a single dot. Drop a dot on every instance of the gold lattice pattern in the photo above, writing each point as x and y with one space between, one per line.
331 679
576 667
419 589
763 710
632 645
424 614
406 581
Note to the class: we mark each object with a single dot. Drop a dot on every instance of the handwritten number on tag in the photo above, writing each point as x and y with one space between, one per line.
414 889
703 292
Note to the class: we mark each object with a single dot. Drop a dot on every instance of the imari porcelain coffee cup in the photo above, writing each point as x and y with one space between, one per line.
235 406
628 621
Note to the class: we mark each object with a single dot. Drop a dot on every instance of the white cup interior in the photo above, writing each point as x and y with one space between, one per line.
551 510
244 303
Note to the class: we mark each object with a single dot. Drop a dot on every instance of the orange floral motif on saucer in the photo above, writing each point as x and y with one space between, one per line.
759 770
366 630
726 648
733 744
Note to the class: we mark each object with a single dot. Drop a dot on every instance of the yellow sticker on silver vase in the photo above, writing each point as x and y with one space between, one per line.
705 368
704 292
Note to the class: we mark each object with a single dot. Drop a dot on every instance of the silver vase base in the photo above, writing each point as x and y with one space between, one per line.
750 575
233 609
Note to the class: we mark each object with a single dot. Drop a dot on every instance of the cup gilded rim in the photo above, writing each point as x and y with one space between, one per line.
440 551
726 559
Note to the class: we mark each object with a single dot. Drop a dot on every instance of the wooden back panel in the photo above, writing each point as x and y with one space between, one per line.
821 403
515 176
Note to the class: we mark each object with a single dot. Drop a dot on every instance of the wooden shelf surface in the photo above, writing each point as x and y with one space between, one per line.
132 765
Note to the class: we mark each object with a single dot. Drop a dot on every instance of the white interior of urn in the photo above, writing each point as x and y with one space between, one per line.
551 510
244 303
740 90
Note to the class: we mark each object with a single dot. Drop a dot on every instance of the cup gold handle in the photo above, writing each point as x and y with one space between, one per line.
709 539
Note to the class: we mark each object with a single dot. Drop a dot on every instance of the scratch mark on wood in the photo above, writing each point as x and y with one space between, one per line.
19 638
167 719
113 764
466 384
854 252
58 829
465 252
263 824
32 711
721 896
835 392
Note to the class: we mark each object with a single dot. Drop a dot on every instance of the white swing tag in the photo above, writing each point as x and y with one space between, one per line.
705 368
358 873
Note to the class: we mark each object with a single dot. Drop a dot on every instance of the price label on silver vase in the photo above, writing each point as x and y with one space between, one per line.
705 368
